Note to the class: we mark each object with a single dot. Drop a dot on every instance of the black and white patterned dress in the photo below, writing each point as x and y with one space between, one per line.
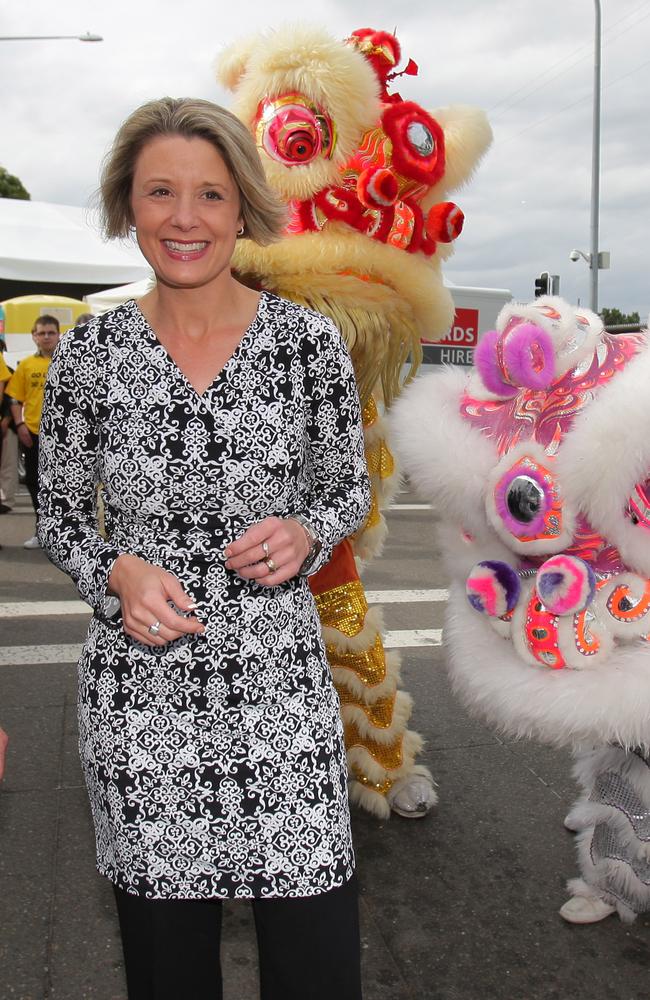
215 764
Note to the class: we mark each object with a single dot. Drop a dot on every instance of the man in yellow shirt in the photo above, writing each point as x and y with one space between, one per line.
26 388
5 375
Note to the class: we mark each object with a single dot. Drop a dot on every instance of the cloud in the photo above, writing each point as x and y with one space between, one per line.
530 66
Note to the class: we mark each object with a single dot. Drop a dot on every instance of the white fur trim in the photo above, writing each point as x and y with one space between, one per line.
402 709
369 799
575 332
606 453
610 704
447 459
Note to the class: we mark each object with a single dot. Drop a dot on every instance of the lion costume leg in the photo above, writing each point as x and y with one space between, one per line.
381 751
612 820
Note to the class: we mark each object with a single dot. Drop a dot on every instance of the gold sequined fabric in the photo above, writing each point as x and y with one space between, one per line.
387 755
369 665
379 714
370 413
343 608
383 787
380 460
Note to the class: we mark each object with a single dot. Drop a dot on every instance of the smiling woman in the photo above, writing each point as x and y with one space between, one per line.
224 425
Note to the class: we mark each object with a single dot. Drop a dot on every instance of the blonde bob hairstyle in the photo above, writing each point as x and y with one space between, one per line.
262 211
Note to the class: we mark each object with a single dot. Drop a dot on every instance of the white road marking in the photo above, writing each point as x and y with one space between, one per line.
41 609
410 506
18 655
36 609
22 655
413 637
405 596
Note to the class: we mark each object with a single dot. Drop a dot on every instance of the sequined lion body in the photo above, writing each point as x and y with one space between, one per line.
365 175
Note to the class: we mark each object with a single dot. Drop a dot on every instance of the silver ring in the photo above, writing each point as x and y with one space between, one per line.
265 548
154 628
271 565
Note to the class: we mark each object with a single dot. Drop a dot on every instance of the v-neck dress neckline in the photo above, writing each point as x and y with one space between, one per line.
230 361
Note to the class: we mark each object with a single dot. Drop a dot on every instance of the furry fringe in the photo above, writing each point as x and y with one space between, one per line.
368 543
361 758
328 262
612 880
346 678
369 799
567 707
402 709
373 626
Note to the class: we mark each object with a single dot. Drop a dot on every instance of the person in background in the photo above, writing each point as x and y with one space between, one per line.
25 389
5 375
4 739
83 318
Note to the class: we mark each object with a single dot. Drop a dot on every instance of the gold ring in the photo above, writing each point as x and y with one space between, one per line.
271 565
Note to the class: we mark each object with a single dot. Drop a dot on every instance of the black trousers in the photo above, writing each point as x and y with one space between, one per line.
308 947
31 471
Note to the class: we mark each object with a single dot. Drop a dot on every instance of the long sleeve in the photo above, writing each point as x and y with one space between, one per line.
68 470
339 488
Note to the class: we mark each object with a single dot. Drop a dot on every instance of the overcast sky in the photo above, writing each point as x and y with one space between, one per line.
528 64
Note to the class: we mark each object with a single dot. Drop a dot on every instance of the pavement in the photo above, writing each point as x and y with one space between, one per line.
461 905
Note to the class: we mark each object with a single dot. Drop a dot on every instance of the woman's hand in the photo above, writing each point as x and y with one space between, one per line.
270 552
4 739
144 591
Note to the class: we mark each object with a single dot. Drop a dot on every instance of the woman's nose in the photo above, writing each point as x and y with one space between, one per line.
184 214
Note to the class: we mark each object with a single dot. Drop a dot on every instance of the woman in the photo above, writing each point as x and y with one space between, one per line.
224 427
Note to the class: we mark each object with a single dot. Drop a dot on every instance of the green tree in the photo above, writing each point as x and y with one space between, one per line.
614 317
12 187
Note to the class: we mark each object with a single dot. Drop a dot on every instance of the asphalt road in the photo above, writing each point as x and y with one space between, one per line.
459 906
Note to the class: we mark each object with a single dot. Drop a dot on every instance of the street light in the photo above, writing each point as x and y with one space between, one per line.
88 37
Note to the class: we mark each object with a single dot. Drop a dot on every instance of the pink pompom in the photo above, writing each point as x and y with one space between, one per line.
565 584
487 364
493 588
528 357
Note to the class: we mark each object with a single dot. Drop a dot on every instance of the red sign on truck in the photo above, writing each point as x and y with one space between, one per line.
463 332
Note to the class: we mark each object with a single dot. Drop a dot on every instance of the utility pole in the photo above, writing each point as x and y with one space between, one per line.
594 261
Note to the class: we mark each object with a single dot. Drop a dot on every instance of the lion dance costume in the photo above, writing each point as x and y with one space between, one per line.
538 462
365 175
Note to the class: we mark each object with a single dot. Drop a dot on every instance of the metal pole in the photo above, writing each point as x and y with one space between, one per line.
595 165
88 37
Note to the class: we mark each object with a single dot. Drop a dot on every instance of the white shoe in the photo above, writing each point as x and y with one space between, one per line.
586 910
570 823
32 543
412 797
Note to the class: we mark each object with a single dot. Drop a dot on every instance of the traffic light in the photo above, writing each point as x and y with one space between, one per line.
543 284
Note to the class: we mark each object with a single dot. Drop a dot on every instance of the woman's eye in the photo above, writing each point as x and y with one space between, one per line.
160 192
213 196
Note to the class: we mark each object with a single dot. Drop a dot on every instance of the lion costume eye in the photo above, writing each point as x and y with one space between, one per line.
293 131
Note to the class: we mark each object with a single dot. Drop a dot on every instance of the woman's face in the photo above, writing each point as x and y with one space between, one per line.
186 210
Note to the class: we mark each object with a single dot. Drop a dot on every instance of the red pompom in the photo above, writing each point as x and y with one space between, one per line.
444 222
377 187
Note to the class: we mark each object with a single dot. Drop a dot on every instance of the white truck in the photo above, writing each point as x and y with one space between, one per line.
476 311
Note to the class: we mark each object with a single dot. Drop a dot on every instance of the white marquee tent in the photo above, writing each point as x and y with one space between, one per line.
43 242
